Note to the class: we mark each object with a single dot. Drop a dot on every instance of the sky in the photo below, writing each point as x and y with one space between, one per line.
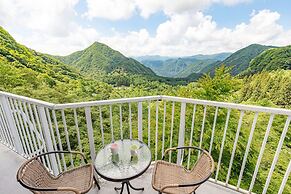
147 27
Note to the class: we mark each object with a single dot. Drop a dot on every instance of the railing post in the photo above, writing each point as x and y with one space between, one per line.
12 126
181 131
47 138
139 117
90 132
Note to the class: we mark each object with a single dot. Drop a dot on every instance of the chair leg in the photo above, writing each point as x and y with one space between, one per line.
97 184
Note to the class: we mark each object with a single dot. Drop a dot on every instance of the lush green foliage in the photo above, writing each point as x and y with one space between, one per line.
272 59
101 57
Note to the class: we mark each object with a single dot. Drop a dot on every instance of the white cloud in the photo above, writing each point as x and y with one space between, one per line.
193 33
123 9
110 9
47 26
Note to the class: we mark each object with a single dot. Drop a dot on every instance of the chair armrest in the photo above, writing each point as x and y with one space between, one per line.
179 148
63 152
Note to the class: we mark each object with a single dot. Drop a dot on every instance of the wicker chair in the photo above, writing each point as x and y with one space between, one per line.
172 178
34 176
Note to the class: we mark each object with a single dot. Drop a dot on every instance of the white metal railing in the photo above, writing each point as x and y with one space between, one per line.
30 126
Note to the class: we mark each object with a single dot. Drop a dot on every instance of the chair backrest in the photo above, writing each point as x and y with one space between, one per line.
33 174
204 166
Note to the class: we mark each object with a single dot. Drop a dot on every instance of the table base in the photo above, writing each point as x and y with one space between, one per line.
127 183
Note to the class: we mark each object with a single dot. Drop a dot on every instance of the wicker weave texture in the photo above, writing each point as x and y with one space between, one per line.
35 175
166 173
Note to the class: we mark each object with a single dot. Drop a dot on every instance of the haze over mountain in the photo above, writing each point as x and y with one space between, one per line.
99 56
179 66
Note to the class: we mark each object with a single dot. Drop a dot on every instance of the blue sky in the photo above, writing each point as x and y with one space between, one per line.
151 27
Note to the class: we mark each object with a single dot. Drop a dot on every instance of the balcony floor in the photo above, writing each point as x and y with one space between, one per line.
10 162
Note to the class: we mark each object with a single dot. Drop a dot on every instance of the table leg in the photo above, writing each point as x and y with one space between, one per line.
127 183
120 188
137 189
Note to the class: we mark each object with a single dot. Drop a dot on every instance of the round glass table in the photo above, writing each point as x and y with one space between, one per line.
122 161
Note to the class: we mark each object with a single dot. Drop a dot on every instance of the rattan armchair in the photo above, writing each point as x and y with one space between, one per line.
34 176
175 179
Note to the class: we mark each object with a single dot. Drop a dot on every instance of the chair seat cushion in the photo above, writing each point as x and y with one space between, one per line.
166 173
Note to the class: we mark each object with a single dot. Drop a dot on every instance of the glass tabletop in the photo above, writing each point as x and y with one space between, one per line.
123 160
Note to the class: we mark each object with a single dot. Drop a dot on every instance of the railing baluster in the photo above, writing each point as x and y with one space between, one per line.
164 128
157 128
279 147
247 149
139 120
234 145
130 123
191 134
25 120
284 181
67 135
90 132
261 152
202 129
22 127
46 158
30 126
120 121
222 143
39 145
101 125
53 137
213 130
47 137
172 128
78 133
111 123
59 138
181 132
19 128
6 129
6 108
149 124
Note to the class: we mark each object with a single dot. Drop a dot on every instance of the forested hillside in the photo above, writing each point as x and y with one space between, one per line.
100 57
272 59
239 61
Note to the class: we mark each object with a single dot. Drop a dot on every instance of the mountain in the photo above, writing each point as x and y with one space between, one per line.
99 56
30 73
272 59
151 58
180 66
240 60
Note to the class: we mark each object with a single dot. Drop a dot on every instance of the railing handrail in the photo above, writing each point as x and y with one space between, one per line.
254 108
27 99
106 102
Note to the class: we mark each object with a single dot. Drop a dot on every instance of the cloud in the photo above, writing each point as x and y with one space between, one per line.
110 9
193 33
124 9
47 26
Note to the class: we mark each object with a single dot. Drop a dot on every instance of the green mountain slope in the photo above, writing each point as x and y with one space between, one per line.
272 59
99 56
240 60
27 72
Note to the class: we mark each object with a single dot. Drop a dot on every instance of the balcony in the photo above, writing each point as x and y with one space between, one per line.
250 144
